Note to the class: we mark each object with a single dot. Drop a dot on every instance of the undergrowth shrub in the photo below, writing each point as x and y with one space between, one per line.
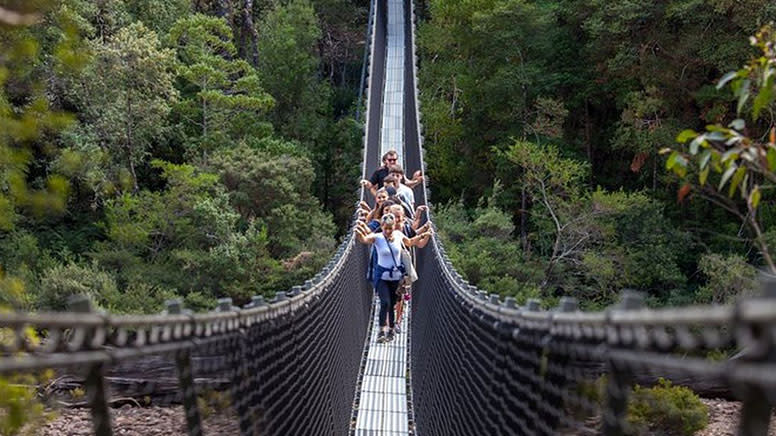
212 402
61 282
666 409
21 409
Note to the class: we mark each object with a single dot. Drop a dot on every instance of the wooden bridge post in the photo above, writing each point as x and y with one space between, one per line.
620 378
756 410
240 377
96 388
186 379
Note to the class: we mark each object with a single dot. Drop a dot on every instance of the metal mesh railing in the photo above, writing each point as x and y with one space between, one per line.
283 367
482 366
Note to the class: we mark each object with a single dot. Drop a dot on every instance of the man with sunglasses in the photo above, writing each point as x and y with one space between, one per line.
390 158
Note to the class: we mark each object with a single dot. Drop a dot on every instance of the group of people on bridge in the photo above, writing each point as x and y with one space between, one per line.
392 228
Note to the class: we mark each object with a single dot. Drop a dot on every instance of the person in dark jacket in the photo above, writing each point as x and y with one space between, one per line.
390 158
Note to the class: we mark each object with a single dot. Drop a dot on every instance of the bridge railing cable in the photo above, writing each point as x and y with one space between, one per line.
481 364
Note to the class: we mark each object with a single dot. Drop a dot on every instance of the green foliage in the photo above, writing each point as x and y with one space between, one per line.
275 190
481 248
485 65
21 258
589 245
643 246
151 234
288 68
158 16
115 110
739 163
599 89
20 411
727 278
192 212
666 409
141 297
60 282
28 118
259 231
226 102
126 93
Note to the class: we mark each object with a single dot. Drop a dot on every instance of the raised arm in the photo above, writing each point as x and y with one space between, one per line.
369 187
417 177
418 215
420 240
364 233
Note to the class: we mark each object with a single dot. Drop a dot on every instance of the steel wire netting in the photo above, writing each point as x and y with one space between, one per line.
280 367
481 365
287 366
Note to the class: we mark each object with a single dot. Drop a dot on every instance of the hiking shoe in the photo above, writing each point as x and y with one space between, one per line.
389 336
381 337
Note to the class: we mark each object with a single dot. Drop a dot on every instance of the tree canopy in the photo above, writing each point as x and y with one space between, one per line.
149 151
568 105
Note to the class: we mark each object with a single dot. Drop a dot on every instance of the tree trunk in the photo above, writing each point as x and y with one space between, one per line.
129 143
204 117
523 231
588 139
760 240
248 48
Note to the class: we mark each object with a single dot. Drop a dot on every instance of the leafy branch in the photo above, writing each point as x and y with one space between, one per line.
745 166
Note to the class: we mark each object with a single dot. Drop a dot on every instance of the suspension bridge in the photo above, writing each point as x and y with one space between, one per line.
465 363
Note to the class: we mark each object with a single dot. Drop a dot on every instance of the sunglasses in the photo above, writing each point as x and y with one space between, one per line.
391 160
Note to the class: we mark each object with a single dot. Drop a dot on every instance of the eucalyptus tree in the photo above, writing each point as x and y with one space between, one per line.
126 94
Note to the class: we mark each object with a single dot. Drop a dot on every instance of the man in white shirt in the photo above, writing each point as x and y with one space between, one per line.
404 192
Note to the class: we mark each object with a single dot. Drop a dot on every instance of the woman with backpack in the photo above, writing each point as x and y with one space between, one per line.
386 267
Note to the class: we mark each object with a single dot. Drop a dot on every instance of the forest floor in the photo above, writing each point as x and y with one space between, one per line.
158 421
137 421
723 418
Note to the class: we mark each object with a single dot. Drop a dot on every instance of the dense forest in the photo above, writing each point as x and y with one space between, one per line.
555 114
207 148
153 149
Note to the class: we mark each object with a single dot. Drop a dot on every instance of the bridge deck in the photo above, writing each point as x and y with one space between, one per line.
383 400
392 125
382 408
